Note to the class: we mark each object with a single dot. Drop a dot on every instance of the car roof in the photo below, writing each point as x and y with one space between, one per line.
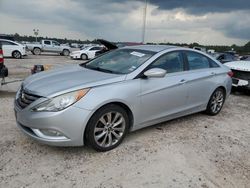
7 40
153 48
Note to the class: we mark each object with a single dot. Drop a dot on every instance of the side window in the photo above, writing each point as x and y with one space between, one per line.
55 43
7 43
47 42
197 61
171 62
213 64
94 48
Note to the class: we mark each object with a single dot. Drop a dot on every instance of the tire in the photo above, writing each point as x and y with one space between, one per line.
16 55
36 51
107 128
65 52
84 57
216 102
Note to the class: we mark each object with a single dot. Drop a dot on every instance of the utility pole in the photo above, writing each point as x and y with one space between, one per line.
144 21
36 33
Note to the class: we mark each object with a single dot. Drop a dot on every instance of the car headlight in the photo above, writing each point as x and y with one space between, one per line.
60 102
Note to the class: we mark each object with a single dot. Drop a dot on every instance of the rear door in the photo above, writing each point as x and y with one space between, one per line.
47 46
56 46
201 80
161 97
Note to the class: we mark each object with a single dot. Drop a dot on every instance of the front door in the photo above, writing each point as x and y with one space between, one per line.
162 97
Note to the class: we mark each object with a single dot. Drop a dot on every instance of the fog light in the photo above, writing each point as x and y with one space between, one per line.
49 134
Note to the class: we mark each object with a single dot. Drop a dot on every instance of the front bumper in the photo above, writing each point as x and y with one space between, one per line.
71 122
75 56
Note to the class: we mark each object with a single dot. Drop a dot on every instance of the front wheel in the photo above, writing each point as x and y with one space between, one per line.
216 102
107 128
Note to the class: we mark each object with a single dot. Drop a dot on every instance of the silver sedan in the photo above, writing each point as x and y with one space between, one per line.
99 102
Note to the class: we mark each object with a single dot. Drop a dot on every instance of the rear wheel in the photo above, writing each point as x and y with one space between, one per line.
107 128
17 55
216 102
66 52
36 51
84 57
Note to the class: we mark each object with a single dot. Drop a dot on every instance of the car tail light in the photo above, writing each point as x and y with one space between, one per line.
230 73
1 56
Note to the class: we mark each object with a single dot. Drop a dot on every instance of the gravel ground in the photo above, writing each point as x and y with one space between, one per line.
193 151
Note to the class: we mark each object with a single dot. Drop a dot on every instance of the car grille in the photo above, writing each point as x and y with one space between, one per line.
243 75
25 98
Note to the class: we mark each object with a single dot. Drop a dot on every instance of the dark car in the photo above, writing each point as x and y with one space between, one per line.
3 69
225 57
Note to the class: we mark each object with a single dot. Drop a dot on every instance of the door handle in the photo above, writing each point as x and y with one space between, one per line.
213 73
183 81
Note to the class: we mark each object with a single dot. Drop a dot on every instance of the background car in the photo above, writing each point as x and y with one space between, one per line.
241 74
12 49
123 90
48 46
85 53
224 57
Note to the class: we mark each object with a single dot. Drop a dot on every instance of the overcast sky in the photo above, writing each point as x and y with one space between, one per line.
184 21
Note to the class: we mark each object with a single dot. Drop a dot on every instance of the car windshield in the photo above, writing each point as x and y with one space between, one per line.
122 61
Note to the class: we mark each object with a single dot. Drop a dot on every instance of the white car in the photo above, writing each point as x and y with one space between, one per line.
86 53
12 49
241 74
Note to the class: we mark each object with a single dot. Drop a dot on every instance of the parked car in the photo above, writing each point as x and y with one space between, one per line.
3 68
49 46
224 57
12 49
241 74
85 53
245 58
123 90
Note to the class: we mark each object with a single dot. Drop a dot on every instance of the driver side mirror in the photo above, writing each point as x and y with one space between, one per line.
155 73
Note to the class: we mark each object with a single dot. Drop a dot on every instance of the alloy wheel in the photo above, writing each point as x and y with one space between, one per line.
109 129
217 101
17 55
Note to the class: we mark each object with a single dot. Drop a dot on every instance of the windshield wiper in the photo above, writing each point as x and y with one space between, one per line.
101 69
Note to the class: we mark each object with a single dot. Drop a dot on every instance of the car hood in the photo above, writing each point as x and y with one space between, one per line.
107 44
239 65
66 79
